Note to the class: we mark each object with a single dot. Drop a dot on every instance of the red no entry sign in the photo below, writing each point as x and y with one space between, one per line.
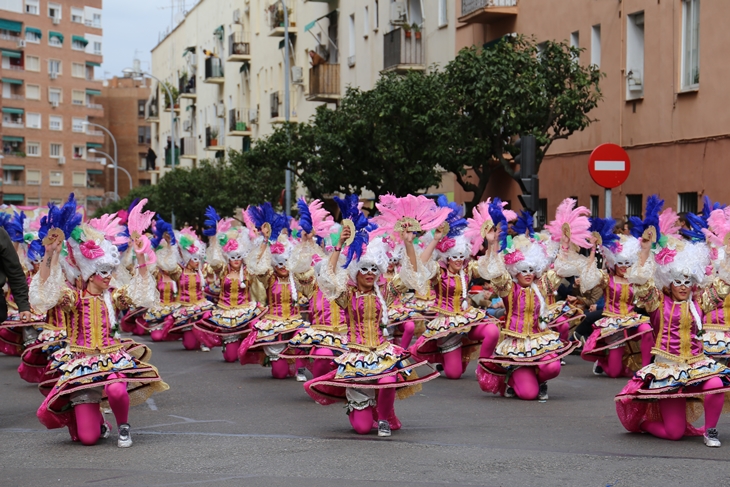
609 165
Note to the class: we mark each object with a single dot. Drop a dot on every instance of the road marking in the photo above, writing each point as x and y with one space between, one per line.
609 166
151 404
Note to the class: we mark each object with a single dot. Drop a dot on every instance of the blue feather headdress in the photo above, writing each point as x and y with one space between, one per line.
64 218
162 228
457 222
15 227
653 208
349 207
211 222
698 223
525 224
262 214
305 216
604 228
36 251
500 221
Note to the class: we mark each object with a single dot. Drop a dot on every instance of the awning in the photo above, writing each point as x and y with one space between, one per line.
94 171
188 49
12 81
93 145
314 22
11 25
11 54
12 138
91 92
57 35
292 40
190 107
14 111
218 32
13 197
246 66
35 31
79 39
92 63
13 167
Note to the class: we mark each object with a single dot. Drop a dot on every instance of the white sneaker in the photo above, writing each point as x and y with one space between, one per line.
300 375
509 392
204 348
712 438
125 438
383 428
542 395
106 430
597 369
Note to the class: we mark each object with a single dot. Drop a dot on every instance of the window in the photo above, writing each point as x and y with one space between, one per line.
77 124
634 205
33 177
144 135
33 92
443 17
56 150
575 42
78 70
690 44
415 14
541 48
31 201
79 152
366 22
55 122
351 46
687 202
33 149
77 15
32 63
55 178
635 56
79 179
32 36
33 120
54 11
78 97
54 66
141 107
376 13
78 45
97 48
594 206
55 95
596 45
31 7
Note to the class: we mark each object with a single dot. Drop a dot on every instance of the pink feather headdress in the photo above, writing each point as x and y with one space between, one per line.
480 222
322 221
413 213
112 228
571 221
138 222
719 227
249 223
669 224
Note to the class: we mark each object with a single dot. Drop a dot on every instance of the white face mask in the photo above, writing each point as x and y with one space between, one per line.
527 272
368 269
682 282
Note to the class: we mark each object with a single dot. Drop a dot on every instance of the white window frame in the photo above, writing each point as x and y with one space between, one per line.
55 122
29 152
37 117
30 201
78 97
77 45
29 66
690 52
32 37
351 36
80 175
575 42
32 7
443 14
78 70
55 154
58 8
35 88
77 125
98 48
596 45
83 152
635 56
79 13
366 22
58 63
59 178
55 91
29 180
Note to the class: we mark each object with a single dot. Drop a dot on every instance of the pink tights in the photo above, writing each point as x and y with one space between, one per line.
613 365
488 333
89 418
322 365
674 412
362 420
647 341
190 342
230 352
526 382
563 328
408 328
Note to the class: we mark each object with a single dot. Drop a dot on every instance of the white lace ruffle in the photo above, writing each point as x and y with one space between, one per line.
142 291
46 295
590 277
214 254
167 258
640 275
332 285
420 278
491 266
300 260
259 266
569 265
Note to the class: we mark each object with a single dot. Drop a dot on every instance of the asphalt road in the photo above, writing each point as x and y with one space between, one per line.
227 425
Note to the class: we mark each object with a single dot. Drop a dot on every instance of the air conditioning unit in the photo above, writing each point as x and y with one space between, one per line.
297 75
53 74
398 13
237 16
21 43
253 115
54 103
61 160
634 79
187 125
56 20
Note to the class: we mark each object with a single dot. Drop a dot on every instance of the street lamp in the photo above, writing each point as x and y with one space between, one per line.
116 155
103 163
287 173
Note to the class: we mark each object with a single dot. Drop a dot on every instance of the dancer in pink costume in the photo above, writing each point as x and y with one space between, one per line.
274 282
405 322
191 298
615 336
529 353
95 367
655 399
373 371
230 321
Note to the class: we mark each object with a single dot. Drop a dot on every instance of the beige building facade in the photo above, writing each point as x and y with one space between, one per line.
673 123
50 50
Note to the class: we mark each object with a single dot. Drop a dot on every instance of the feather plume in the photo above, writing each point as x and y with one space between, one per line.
708 207
604 228
525 224
577 221
112 228
138 222
265 214
162 228
305 216
718 227
455 219
669 223
211 222
65 218
15 227
418 210
496 211
479 218
313 217
350 208
4 218
36 250
653 207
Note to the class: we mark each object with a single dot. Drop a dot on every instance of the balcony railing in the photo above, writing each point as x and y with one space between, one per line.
236 123
211 141
239 48
13 125
12 182
152 110
487 11
214 70
403 51
91 23
186 86
95 133
95 106
168 157
276 18
14 67
14 97
324 82
187 148
10 37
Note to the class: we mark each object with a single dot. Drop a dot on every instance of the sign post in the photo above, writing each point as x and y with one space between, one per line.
609 167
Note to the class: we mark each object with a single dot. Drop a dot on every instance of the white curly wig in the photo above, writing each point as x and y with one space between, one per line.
103 258
533 256
461 248
375 254
691 261
627 250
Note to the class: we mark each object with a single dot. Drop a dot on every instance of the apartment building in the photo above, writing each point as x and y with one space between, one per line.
124 101
674 124
49 53
226 60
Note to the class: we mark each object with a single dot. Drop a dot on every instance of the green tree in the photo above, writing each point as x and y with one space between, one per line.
511 88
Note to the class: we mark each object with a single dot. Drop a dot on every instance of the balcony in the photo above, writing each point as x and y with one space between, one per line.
213 140
186 87
214 71
403 51
276 19
239 48
95 106
236 125
187 148
94 133
487 11
152 111
324 83
168 157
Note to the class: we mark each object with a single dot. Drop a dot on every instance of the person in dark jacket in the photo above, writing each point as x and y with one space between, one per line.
12 272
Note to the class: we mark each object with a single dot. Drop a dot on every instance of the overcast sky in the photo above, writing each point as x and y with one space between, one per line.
132 29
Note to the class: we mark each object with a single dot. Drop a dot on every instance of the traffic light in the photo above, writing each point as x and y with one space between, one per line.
527 178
